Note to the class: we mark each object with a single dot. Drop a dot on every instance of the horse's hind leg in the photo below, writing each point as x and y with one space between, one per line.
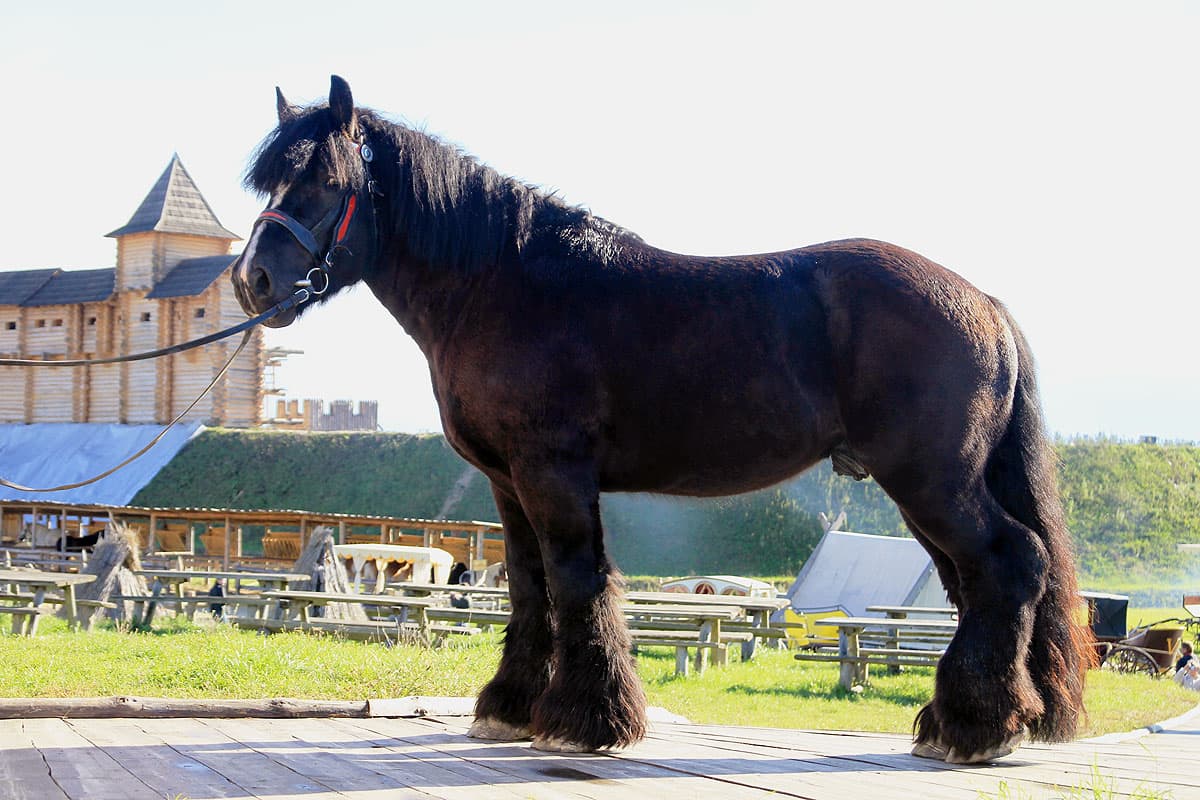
927 740
947 572
505 706
984 697
1060 651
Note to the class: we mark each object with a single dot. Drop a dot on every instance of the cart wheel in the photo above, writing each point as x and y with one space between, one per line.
1130 659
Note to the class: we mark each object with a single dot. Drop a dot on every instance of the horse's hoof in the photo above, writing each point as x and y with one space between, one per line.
1007 747
553 744
494 729
934 750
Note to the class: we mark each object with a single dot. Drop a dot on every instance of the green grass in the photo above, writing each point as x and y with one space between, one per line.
1097 786
774 690
1138 615
180 660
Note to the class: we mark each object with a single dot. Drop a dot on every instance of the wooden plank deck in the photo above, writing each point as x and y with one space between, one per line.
430 757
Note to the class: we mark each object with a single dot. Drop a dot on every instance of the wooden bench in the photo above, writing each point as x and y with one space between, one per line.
383 631
85 609
386 631
925 640
145 605
24 618
473 616
685 640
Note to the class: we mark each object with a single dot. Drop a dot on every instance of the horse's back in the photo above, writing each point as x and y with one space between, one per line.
768 363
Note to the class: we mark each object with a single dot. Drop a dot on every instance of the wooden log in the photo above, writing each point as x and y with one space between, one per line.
112 562
156 707
328 575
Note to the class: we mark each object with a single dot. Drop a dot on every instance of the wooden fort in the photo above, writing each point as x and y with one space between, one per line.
170 284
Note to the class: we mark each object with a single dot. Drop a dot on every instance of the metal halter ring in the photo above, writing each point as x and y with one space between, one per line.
307 283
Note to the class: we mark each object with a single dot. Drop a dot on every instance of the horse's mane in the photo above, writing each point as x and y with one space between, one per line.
450 209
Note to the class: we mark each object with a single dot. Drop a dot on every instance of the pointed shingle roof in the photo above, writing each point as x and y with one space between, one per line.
17 287
175 205
191 277
74 286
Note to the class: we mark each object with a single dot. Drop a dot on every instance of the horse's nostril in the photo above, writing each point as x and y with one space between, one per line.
262 283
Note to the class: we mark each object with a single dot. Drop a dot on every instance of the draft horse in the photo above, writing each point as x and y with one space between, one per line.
570 358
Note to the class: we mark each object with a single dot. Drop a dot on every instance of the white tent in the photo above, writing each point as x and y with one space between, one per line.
850 571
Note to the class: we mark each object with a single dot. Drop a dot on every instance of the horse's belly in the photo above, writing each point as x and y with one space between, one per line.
711 462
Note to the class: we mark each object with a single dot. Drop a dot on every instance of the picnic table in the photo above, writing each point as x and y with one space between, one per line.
168 588
757 612
854 658
174 579
903 612
27 599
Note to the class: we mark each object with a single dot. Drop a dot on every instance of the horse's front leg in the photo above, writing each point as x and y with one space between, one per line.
505 706
594 699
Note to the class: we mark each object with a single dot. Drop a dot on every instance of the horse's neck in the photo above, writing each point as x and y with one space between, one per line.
437 213
425 301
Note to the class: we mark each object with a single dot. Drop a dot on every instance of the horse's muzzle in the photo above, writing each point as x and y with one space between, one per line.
255 291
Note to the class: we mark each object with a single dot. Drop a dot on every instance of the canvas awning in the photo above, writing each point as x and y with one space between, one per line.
54 454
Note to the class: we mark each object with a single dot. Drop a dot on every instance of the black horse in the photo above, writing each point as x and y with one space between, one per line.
570 358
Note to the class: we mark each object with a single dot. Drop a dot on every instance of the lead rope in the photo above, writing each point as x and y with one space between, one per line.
246 328
238 351
287 304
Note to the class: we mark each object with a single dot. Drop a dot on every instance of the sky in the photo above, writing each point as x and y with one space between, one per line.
1045 151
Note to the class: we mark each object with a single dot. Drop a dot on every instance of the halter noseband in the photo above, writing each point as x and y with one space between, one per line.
307 238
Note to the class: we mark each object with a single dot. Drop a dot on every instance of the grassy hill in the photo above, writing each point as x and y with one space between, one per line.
1128 505
389 474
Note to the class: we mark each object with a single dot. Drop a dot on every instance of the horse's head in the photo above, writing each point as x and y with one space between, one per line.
318 230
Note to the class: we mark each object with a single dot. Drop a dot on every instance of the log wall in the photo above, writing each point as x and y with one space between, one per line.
139 392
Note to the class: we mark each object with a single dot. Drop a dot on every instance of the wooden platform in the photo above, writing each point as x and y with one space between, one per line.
374 759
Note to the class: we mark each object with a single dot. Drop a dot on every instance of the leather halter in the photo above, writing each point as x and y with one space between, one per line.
308 238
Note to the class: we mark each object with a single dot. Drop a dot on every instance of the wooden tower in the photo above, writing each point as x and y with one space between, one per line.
170 284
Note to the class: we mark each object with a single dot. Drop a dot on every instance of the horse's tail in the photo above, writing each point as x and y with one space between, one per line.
1022 475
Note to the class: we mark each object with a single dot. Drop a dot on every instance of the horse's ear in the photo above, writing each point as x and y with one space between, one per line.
286 110
341 103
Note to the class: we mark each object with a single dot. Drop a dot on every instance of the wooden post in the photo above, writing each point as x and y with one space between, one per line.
341 532
228 536
239 542
848 649
702 652
893 643
152 535
681 661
